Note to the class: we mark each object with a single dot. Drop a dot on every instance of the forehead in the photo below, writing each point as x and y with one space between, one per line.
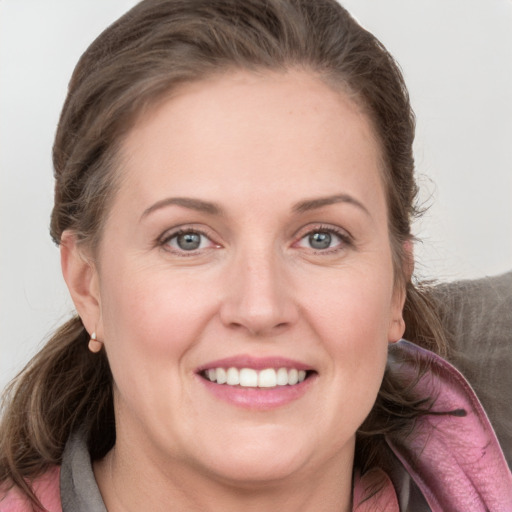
247 128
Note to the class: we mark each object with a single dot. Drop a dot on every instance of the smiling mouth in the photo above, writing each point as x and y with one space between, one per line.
251 378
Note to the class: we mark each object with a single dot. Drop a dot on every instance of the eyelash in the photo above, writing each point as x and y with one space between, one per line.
345 240
165 239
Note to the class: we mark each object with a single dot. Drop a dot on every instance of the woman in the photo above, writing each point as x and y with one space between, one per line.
234 191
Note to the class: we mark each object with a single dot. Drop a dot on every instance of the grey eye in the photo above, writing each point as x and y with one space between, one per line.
188 241
320 240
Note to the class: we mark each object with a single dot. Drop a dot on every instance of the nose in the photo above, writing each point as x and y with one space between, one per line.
259 295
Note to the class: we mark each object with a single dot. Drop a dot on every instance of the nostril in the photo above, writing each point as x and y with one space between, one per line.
236 325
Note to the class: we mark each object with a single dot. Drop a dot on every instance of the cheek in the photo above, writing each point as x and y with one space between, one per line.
152 324
353 305
149 318
352 323
356 336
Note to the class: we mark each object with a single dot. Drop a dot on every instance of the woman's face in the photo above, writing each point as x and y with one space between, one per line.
249 232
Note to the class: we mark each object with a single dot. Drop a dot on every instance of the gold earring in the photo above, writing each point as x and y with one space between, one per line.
95 346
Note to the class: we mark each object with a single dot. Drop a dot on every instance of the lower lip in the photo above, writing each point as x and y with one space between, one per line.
258 398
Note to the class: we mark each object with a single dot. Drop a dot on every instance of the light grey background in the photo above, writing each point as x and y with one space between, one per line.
457 60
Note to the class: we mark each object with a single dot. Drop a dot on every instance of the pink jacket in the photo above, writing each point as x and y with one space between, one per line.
454 459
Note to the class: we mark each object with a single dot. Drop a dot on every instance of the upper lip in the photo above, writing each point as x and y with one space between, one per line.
256 363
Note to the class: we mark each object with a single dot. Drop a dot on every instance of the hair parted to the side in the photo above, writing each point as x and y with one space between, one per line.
145 55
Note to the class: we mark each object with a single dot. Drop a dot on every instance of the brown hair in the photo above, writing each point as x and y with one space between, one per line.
156 46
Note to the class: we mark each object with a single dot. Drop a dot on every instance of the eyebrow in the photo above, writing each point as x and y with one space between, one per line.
213 209
186 202
313 204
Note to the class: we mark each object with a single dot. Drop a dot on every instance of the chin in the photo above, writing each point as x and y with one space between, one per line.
255 459
252 472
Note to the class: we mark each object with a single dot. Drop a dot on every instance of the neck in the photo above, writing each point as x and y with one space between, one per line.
146 485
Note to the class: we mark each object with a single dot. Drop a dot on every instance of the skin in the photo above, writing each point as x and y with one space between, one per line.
260 147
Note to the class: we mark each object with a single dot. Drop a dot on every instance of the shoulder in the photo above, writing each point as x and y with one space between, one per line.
452 454
46 487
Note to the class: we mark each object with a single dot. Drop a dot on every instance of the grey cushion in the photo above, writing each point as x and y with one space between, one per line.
478 317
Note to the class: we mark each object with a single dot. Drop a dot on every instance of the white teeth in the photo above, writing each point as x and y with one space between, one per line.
267 378
282 377
248 377
233 377
221 376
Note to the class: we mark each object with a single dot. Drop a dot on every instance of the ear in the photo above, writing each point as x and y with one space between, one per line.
82 279
397 323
